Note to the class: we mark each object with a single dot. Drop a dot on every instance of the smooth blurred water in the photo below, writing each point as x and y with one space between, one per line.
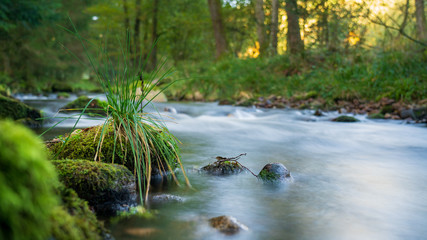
364 180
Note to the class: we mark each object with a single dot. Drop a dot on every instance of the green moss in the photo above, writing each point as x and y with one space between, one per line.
345 119
15 110
268 176
376 116
27 181
74 220
91 180
83 144
95 107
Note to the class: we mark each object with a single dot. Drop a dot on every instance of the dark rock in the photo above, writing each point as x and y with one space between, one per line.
223 168
420 113
227 225
273 172
318 113
108 188
406 113
345 119
14 109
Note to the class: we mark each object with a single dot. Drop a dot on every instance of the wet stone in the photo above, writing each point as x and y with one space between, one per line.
223 168
227 225
275 172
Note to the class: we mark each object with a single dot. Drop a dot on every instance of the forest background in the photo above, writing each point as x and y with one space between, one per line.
230 50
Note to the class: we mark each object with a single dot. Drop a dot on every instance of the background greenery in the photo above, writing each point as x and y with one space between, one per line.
352 49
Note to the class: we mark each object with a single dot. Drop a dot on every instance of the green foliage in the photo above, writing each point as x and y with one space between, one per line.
27 180
361 74
73 219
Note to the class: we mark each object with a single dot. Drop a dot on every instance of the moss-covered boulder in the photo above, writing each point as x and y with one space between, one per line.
83 144
14 109
108 188
74 220
95 107
345 119
275 172
27 182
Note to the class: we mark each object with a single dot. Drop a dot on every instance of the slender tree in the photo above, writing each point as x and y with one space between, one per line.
154 35
274 26
295 44
421 20
260 16
136 32
218 27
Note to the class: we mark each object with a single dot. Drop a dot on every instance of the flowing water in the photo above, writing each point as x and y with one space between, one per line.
362 180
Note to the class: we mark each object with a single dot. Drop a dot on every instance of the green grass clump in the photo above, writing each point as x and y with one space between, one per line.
145 134
27 181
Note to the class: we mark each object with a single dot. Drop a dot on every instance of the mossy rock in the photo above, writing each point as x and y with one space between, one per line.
27 181
108 188
74 220
14 109
83 144
95 107
274 172
376 116
223 168
345 119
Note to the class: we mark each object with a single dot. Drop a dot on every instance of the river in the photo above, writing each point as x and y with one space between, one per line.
363 180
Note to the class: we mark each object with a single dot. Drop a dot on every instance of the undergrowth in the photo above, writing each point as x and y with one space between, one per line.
360 74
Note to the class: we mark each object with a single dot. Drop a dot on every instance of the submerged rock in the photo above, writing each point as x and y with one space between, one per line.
14 109
108 188
345 119
273 172
227 224
165 198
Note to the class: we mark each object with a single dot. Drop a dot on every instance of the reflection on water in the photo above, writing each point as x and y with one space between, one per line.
351 180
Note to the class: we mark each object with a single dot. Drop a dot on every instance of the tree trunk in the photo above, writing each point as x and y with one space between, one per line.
154 36
421 20
274 26
126 12
260 28
136 37
295 44
220 40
